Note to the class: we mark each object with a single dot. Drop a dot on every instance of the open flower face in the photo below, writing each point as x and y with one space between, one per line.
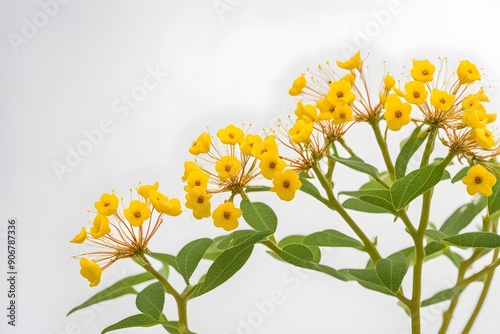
479 180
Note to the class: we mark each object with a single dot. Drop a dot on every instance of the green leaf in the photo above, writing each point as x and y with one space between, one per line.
308 187
150 301
442 296
494 199
120 288
374 184
454 257
228 263
298 239
190 256
301 256
367 278
138 320
357 204
358 164
406 189
460 175
381 199
259 215
166 259
435 235
377 192
462 217
391 271
408 150
474 239
332 238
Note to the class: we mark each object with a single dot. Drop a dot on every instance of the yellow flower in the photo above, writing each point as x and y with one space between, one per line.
475 118
100 226
307 113
327 109
107 205
80 237
198 200
231 135
197 178
442 100
227 167
389 81
269 144
340 90
422 70
226 216
285 184
301 131
350 78
137 213
91 271
467 72
189 167
201 145
163 204
470 101
397 113
342 114
298 85
145 189
248 142
415 92
484 138
270 164
478 179
352 63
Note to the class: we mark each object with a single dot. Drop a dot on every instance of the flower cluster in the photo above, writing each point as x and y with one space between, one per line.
229 166
119 235
330 104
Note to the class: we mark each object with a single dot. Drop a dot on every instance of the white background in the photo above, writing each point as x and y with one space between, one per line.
228 65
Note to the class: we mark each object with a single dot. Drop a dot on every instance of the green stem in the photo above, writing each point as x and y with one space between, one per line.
383 148
181 300
418 239
335 205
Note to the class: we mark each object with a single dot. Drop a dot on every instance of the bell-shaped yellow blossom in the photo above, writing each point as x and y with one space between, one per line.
354 62
415 92
342 114
80 237
137 213
397 113
145 189
442 100
198 200
285 184
422 70
340 90
100 226
298 85
481 96
227 167
198 178
269 144
475 118
201 145
91 271
163 204
389 82
107 205
189 167
226 216
478 179
248 142
301 131
270 164
484 138
467 72
231 135
307 113
470 101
